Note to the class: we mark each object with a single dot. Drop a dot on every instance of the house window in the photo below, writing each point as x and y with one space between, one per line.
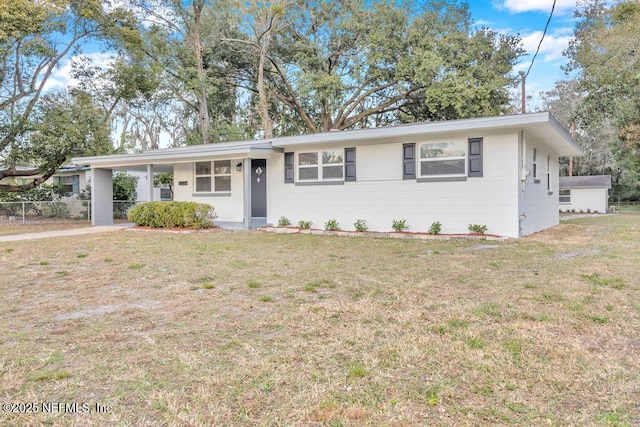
165 194
321 166
565 196
549 173
216 179
443 159
69 183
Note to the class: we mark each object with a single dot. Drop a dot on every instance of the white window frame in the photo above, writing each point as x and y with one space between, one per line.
464 157
566 193
212 175
320 166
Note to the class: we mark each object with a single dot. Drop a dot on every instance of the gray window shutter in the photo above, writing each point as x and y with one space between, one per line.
409 161
76 184
288 168
350 164
475 157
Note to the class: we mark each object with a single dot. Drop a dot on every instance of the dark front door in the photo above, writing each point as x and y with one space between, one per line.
258 188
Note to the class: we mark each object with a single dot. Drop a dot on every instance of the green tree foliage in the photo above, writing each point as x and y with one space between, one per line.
35 37
164 180
61 126
230 70
193 102
41 193
596 138
124 186
352 64
606 56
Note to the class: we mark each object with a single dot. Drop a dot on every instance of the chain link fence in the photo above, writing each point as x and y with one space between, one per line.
31 211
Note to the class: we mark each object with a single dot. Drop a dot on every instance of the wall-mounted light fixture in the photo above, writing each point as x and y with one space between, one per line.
239 167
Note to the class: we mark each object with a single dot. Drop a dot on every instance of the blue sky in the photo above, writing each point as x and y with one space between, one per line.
527 18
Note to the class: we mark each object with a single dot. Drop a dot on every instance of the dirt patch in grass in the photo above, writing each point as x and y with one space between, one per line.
256 328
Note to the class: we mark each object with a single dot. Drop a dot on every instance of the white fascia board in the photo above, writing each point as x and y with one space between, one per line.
543 122
182 154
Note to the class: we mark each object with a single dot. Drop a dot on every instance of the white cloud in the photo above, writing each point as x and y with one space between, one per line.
62 79
519 6
552 46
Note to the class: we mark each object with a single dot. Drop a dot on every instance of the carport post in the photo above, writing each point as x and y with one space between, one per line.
246 180
150 176
102 197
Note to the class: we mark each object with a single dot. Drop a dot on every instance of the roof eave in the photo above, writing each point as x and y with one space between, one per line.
167 156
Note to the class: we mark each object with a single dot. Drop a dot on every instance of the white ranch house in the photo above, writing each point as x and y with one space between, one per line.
501 172
585 193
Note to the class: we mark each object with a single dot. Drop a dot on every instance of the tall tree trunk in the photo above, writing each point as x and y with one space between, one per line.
193 33
263 101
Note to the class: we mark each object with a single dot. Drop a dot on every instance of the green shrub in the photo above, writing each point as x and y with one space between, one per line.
304 224
436 227
332 225
360 225
172 214
477 228
56 210
399 225
283 221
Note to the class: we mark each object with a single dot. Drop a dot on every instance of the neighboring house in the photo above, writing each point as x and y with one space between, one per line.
501 172
584 193
74 178
77 178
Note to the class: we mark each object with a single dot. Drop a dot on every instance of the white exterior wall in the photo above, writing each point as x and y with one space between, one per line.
142 187
380 195
583 199
539 205
227 207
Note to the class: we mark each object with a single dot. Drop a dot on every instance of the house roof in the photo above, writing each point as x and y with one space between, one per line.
591 181
543 126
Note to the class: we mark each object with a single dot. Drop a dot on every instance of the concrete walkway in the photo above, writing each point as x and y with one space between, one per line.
62 233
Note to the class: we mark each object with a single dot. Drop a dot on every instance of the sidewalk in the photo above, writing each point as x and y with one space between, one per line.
62 233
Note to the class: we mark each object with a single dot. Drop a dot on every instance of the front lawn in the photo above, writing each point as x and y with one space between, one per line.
253 328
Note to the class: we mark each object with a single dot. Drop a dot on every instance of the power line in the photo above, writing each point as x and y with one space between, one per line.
543 34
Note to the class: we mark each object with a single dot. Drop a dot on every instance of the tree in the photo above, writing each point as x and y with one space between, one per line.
596 138
323 65
124 186
605 55
164 180
61 126
178 42
35 37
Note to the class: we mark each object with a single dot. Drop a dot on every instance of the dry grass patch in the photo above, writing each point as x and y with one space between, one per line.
255 328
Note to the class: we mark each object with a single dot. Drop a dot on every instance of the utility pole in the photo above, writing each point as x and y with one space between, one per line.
524 93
